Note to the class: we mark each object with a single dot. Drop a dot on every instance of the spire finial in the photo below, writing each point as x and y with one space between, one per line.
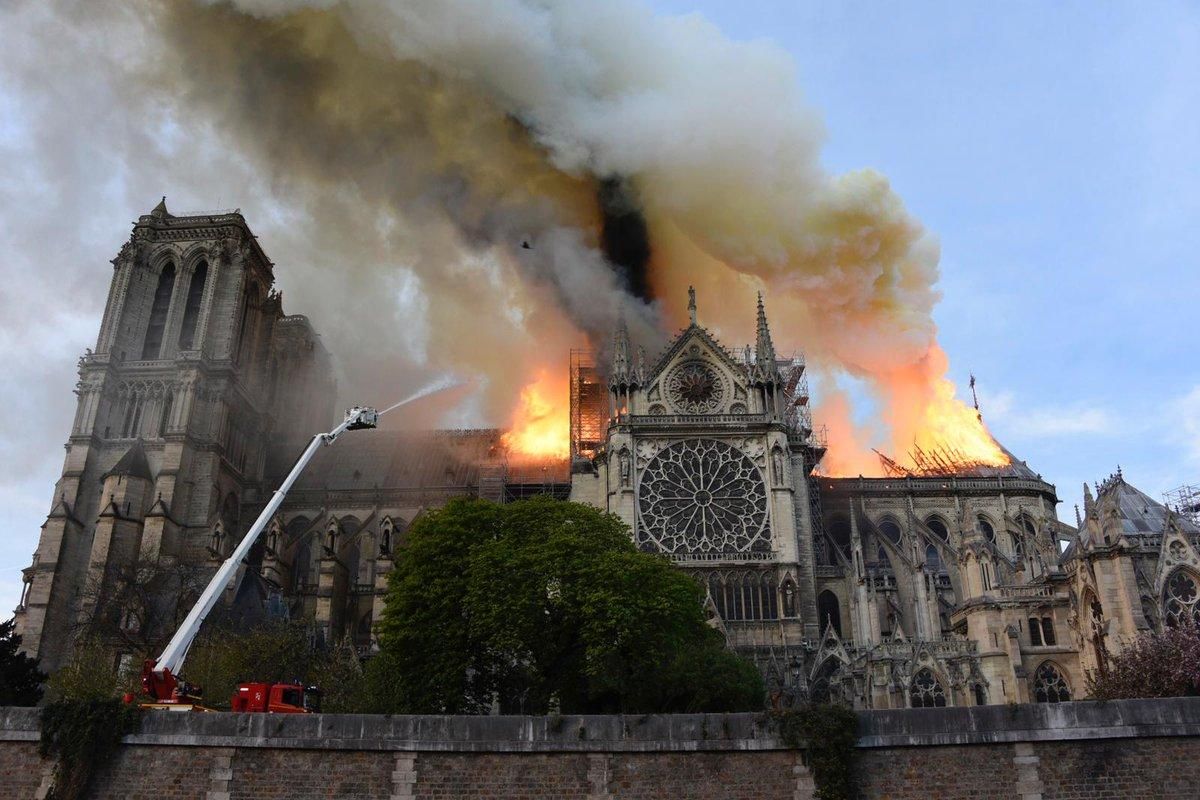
620 354
764 350
692 304
160 210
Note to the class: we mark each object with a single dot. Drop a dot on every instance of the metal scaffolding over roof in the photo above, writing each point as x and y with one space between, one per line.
1185 501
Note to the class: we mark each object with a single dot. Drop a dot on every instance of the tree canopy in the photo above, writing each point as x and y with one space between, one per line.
543 605
1156 664
20 678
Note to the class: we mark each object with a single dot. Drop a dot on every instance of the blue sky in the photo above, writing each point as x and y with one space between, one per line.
1053 148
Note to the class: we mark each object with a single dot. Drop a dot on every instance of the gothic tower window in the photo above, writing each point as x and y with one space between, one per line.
1035 632
158 313
165 419
980 694
191 309
1049 686
1182 600
926 691
1048 632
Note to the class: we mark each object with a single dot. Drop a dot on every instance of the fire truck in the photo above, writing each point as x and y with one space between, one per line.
161 677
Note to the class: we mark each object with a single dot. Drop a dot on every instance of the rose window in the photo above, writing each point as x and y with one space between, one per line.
703 496
695 388
1183 600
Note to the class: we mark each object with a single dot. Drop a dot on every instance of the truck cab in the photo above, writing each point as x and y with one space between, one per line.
276 698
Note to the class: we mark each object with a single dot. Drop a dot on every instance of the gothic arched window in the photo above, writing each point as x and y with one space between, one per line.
939 528
158 313
191 309
829 611
1035 632
985 529
980 694
1182 599
891 530
1049 686
926 691
933 559
839 533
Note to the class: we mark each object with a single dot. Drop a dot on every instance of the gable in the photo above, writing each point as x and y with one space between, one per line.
695 355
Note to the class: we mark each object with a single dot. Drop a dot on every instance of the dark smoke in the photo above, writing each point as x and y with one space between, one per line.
624 236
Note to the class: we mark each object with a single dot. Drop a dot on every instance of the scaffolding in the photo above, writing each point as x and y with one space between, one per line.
1185 501
589 405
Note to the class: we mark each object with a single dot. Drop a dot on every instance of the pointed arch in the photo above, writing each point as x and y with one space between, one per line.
926 691
1181 598
890 528
152 344
985 527
939 527
191 308
1050 685
829 611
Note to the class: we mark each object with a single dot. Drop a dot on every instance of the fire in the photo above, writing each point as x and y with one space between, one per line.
950 426
931 430
539 427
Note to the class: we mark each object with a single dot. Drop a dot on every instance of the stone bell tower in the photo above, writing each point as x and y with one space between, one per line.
174 411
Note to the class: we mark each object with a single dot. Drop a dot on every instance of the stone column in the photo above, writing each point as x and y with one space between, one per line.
802 514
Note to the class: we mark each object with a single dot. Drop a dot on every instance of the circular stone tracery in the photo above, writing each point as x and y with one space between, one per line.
695 388
703 496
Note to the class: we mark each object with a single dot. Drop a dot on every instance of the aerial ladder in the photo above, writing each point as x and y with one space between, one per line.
161 678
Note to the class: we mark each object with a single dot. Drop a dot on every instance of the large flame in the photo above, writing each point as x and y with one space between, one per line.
930 429
539 427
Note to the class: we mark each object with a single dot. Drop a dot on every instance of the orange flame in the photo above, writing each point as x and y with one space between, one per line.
539 426
930 428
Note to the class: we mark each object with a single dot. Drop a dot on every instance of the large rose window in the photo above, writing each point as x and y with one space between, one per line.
702 496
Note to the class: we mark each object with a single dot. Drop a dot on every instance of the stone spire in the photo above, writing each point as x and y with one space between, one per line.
765 368
160 210
620 355
692 304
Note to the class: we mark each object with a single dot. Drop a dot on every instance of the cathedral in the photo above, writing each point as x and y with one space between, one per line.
940 588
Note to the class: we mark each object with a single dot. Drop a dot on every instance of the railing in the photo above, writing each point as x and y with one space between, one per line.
692 419
938 484
1025 591
733 557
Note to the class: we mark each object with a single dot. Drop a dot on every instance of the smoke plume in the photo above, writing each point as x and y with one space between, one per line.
476 185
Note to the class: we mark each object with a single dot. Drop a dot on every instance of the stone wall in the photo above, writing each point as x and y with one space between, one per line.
1126 749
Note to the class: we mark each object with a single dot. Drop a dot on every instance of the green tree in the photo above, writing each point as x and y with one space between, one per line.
20 678
543 605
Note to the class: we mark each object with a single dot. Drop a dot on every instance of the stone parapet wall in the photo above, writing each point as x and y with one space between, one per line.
1127 749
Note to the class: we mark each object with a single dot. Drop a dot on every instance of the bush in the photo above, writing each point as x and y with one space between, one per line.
84 736
828 734
1165 664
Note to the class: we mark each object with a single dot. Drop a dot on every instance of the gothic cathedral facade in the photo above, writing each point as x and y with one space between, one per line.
905 591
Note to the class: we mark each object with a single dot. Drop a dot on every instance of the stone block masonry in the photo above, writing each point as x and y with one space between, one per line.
1128 750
